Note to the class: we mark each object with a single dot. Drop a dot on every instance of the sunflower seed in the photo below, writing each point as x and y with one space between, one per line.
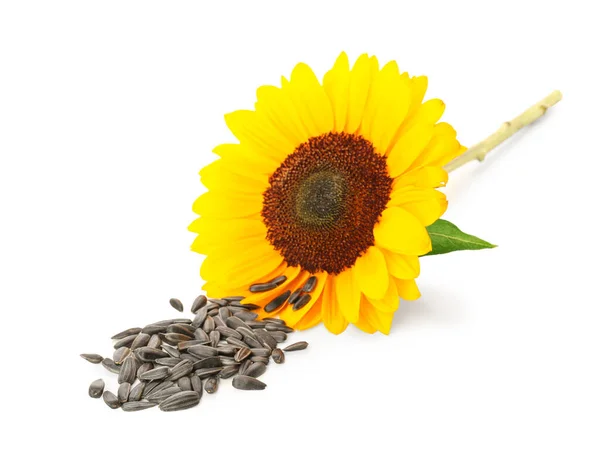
162 394
236 342
172 351
279 336
258 358
257 324
213 313
128 371
234 323
143 368
247 306
150 387
211 384
184 346
172 321
175 338
278 327
155 373
141 340
234 298
136 392
229 371
224 313
247 383
176 304
261 351
228 361
181 328
180 401
121 354
246 316
137 406
123 392
196 384
168 361
200 335
200 317
92 358
301 302
206 372
203 351
154 329
96 389
242 354
111 366
215 337
219 322
246 332
278 356
125 342
186 356
244 367
296 346
155 341
148 354
278 301
262 287
226 350
209 324
256 369
198 303
295 296
185 384
111 400
228 332
127 332
210 362
266 339
310 284
183 368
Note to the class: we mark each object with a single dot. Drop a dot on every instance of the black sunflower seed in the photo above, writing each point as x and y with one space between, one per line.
172 351
201 315
136 392
278 356
295 296
246 316
258 358
215 337
121 354
277 327
248 383
279 336
210 362
127 332
248 306
181 328
183 368
180 401
206 372
125 342
266 339
148 354
212 384
296 346
123 392
176 304
262 287
234 298
154 329
261 352
203 351
162 394
111 366
111 400
143 368
185 345
128 371
175 338
198 303
93 358
96 389
229 371
137 406
228 332
302 301
184 383
310 284
278 301
236 342
209 324
196 384
155 373
155 342
256 369
242 354
278 280
141 340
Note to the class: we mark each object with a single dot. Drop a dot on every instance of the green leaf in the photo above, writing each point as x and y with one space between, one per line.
446 237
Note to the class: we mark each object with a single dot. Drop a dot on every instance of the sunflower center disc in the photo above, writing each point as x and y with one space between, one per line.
324 200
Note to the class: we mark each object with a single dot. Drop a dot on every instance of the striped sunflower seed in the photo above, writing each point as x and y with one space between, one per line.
201 335
198 303
224 313
155 373
96 389
215 337
201 315
154 329
176 304
261 352
150 387
126 341
175 338
121 354
279 336
172 351
247 306
111 400
211 384
202 351
277 327
278 356
242 354
141 340
162 394
111 366
209 324
128 371
155 341
148 354
247 383
229 371
123 392
256 369
183 368
180 401
227 332
137 406
143 368
127 332
226 350
93 358
209 362
246 316
296 346
185 383
181 328
168 361
266 339
257 324
185 345
253 342
274 320
236 342
207 372
234 323
258 358
234 298
196 384
136 392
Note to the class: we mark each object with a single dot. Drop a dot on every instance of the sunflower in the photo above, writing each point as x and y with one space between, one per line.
318 214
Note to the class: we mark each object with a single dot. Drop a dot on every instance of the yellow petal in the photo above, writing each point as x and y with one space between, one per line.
389 302
360 82
227 205
363 325
225 289
292 316
310 100
347 291
370 270
336 84
311 318
426 204
431 177
442 147
243 161
401 232
218 231
408 148
255 131
402 266
382 321
386 107
217 176
426 114
408 290
332 316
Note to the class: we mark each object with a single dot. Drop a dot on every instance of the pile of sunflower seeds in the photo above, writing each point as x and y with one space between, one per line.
170 362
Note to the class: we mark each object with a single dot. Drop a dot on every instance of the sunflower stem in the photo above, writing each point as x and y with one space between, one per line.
507 130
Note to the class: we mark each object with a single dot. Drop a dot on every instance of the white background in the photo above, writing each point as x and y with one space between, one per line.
109 109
